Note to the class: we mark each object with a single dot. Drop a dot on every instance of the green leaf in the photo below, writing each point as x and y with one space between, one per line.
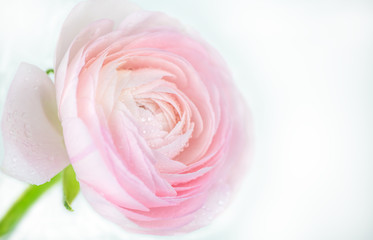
71 187
23 204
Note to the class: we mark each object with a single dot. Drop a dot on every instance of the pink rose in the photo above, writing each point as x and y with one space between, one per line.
153 125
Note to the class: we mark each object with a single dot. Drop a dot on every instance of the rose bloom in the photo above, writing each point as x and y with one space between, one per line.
144 110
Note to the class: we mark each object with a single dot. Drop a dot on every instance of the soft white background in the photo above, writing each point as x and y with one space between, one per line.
305 68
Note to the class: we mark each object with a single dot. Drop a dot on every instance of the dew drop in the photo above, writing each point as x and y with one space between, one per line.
27 131
143 119
27 144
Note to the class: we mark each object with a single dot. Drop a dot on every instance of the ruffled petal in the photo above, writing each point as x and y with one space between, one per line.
65 75
87 12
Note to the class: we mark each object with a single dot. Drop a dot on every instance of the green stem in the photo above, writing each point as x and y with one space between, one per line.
49 71
23 204
71 187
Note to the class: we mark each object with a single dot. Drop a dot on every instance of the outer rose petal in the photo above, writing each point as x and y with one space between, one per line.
114 214
87 12
33 142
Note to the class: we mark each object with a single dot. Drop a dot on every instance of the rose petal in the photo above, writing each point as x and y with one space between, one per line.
106 208
99 176
177 178
87 12
63 76
33 142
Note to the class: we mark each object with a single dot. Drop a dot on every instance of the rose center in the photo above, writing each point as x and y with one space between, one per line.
160 114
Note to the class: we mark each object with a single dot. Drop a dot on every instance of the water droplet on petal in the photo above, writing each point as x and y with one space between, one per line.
27 131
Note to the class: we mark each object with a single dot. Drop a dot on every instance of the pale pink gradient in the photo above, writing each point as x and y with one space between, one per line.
152 122
32 134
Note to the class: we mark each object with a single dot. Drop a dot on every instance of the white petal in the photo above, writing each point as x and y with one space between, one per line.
33 141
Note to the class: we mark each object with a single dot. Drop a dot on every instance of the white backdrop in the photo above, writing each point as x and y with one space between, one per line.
305 68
